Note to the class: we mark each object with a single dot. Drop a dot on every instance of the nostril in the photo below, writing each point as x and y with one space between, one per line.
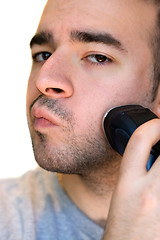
58 90
54 90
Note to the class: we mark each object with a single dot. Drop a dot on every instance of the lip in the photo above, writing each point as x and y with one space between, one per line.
42 118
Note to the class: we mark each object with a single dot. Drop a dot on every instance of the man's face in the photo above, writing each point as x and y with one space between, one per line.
88 57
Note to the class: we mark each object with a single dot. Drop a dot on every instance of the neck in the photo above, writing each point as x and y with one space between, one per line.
92 192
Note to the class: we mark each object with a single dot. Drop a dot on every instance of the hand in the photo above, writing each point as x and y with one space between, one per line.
135 207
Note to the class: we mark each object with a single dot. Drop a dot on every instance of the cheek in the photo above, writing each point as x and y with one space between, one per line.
29 95
91 107
128 92
32 91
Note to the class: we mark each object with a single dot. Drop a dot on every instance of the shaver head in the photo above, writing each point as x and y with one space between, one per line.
120 123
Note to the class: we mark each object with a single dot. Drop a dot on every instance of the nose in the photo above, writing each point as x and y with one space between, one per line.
53 79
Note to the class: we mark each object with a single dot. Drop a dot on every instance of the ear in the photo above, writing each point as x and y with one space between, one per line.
157 103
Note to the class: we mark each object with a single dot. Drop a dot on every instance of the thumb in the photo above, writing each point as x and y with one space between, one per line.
138 149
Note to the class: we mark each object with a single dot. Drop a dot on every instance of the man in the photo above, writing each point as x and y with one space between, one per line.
88 57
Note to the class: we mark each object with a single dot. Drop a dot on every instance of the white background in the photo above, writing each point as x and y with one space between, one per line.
18 23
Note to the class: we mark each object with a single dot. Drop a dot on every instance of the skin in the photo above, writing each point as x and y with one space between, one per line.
69 93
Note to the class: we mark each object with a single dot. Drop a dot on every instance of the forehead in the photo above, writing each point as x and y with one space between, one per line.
114 16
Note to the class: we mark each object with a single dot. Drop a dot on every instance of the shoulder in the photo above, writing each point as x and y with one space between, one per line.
32 184
22 201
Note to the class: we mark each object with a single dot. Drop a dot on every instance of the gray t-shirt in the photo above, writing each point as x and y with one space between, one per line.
34 207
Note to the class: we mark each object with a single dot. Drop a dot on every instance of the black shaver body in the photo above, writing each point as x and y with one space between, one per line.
120 123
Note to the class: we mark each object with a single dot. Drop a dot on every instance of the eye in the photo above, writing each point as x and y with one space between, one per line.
98 59
41 56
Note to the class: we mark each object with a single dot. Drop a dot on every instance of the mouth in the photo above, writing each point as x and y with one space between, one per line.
42 118
42 123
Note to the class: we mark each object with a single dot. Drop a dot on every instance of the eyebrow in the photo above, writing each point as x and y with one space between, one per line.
41 38
103 38
45 37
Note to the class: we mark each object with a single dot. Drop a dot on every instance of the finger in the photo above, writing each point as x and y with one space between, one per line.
138 149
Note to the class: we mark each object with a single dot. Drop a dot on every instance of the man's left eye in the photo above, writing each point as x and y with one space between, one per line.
98 59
